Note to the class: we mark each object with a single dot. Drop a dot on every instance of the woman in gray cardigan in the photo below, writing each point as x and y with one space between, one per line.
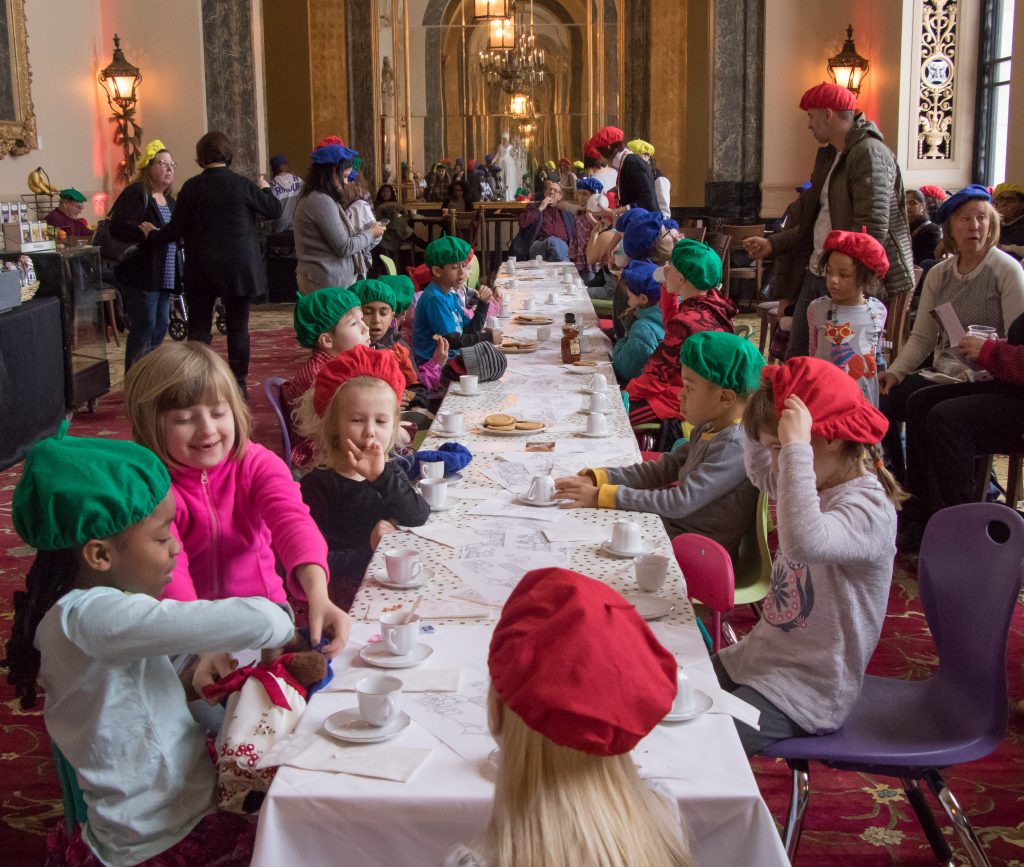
327 242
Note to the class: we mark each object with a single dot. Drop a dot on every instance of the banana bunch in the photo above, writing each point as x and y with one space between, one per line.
39 182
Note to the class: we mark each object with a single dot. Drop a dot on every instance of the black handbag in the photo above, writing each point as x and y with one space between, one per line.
111 248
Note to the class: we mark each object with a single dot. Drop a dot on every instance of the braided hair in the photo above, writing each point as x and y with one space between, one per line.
52 575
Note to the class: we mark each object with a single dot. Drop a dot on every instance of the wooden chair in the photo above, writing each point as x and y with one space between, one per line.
755 270
720 244
898 307
694 233
769 313
1014 478
108 316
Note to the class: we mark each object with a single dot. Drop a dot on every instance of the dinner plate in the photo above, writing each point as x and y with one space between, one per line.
377 654
646 547
533 320
519 350
702 702
587 369
649 607
348 725
422 577
513 433
523 501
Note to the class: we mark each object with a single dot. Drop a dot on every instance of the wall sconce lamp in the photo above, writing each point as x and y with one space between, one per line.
119 80
848 68
488 10
502 35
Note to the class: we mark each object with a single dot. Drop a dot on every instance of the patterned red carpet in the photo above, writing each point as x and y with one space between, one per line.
854 819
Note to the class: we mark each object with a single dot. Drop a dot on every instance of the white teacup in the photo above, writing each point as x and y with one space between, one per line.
400 637
526 303
542 489
452 422
599 402
431 469
511 264
403 565
651 572
434 491
685 701
597 424
552 298
469 383
380 698
627 537
538 259
598 382
491 322
544 333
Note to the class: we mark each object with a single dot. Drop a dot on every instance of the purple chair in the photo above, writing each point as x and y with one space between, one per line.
272 389
970 572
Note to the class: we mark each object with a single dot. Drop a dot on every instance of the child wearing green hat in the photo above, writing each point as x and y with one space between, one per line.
327 322
692 273
91 628
439 312
713 497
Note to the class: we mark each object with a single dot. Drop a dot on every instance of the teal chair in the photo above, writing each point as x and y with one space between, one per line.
389 264
70 792
474 273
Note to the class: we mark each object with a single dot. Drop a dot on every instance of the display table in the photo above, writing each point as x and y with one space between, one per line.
31 376
311 817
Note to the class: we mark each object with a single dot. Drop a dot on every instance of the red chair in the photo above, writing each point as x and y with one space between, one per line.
707 570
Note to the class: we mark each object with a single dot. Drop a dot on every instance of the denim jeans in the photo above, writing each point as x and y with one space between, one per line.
147 322
550 250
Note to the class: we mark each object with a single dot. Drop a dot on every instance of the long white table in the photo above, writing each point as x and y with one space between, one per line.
316 818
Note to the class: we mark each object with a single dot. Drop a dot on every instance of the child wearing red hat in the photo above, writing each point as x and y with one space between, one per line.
355 493
847 326
566 711
802 665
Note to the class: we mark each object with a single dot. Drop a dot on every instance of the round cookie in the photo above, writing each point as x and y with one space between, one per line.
529 425
499 419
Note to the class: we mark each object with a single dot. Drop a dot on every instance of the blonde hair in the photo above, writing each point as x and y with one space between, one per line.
556 805
322 430
949 245
759 417
176 376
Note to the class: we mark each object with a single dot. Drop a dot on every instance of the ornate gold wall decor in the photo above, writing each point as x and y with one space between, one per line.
17 114
936 103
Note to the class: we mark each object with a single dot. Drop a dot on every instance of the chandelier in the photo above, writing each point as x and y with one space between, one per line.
519 65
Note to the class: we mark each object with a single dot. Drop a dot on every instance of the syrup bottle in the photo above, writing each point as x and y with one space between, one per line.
571 350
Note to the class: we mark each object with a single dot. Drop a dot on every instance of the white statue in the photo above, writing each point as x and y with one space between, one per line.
509 157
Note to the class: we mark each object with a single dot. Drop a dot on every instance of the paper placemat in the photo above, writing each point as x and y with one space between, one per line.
413 679
315 752
434 609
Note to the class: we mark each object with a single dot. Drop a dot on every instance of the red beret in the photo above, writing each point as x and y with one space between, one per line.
357 361
839 409
421 276
330 140
833 96
607 136
579 665
590 151
935 192
860 246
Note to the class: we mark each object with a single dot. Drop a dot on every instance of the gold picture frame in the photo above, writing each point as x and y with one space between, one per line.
17 114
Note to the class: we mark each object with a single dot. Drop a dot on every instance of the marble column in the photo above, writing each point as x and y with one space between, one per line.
732 191
636 89
360 22
230 79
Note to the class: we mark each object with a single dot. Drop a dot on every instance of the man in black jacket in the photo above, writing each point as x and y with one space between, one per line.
635 185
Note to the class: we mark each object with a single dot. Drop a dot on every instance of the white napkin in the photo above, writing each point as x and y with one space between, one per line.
573 531
436 609
413 679
445 534
314 752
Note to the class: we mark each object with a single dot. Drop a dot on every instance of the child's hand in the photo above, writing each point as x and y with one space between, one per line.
380 530
407 397
368 462
324 616
484 294
971 346
795 422
211 668
581 492
441 347
886 382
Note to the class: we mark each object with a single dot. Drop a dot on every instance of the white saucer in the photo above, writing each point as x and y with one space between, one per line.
595 436
348 725
702 701
442 508
449 436
458 392
378 655
646 547
596 411
523 501
381 577
453 478
587 369
588 390
649 607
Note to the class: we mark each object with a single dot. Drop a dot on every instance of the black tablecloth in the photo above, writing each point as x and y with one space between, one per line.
31 376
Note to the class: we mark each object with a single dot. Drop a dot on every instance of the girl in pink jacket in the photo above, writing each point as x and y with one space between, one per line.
238 510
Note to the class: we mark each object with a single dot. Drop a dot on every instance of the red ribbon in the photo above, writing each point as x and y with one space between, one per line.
266 674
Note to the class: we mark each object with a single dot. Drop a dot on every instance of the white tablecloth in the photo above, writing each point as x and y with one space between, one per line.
314 819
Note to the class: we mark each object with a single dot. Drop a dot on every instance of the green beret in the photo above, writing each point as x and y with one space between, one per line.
446 250
374 290
74 489
725 359
319 312
403 288
698 263
73 194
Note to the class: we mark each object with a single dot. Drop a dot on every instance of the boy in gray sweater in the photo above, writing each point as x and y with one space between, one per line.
713 496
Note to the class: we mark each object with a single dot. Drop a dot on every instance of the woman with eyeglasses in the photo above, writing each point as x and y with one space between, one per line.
148 276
